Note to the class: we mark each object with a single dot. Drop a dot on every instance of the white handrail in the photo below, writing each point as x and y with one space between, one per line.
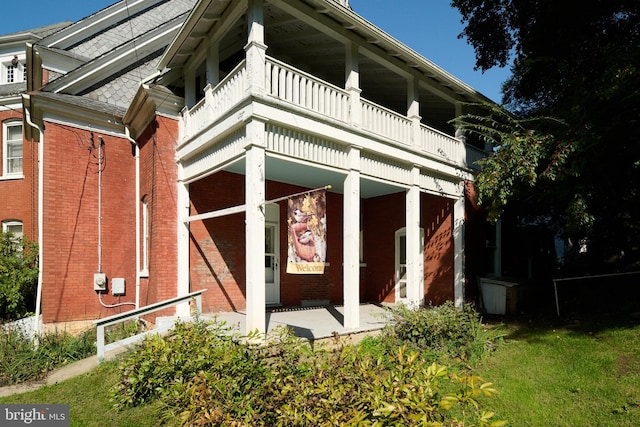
101 324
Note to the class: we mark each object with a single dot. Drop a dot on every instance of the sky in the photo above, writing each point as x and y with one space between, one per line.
430 27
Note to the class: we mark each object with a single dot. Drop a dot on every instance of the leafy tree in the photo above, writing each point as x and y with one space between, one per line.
18 276
578 62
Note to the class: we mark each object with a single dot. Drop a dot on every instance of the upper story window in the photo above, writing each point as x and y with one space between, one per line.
13 71
12 148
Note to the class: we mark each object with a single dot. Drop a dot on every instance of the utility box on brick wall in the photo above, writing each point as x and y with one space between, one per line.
117 286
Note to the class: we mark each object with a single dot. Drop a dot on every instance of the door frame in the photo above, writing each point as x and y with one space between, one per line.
272 219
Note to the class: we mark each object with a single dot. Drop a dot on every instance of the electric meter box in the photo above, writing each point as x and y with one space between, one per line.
99 282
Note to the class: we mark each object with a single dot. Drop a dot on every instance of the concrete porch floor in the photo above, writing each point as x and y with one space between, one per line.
311 322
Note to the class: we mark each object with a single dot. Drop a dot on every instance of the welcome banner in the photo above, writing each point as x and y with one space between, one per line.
307 236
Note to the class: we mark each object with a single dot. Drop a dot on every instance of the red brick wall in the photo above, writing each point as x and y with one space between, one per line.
158 184
437 221
71 222
218 247
382 217
19 197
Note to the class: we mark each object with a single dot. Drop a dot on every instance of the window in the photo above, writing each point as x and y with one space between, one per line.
144 270
13 70
11 74
12 148
15 228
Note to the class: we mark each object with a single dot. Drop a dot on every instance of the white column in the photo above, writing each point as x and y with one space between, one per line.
458 248
255 49
352 72
413 111
254 227
183 310
351 242
415 257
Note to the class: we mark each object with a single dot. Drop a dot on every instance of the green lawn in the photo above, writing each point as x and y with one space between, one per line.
87 396
583 374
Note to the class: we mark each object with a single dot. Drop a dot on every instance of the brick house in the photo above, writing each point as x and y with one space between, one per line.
171 131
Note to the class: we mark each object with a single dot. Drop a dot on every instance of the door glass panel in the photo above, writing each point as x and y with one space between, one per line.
269 249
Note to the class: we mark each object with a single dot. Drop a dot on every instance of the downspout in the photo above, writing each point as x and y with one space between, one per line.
137 179
36 324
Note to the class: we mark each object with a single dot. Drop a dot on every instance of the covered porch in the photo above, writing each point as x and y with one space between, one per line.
314 322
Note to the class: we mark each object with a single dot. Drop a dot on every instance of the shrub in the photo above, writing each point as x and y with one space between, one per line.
444 330
18 276
204 375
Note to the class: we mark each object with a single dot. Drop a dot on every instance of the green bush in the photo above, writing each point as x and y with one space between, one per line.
204 375
23 359
18 276
444 331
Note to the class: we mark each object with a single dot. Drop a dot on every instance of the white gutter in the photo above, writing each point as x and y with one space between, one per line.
36 325
137 179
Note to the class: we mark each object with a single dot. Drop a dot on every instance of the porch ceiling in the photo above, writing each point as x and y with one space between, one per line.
305 175
298 40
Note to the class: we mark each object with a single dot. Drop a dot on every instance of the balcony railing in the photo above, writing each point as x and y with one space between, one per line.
297 88
385 122
216 102
306 91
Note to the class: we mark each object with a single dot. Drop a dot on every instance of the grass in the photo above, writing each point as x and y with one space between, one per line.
577 374
87 396
580 374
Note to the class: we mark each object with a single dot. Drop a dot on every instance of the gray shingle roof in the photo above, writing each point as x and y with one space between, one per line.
121 89
42 32
131 28
85 102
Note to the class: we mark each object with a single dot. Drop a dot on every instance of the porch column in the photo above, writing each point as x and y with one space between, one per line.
413 111
183 310
254 227
458 248
415 257
351 241
213 64
190 88
255 49
352 72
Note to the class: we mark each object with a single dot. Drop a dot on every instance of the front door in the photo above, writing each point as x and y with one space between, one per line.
272 254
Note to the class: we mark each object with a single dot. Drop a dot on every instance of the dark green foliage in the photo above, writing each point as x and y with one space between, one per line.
445 331
18 276
204 375
580 65
23 359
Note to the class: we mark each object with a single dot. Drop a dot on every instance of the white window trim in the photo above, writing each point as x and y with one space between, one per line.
19 70
5 150
17 237
12 222
144 268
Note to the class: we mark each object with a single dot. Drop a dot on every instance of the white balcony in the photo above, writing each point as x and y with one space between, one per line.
301 93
